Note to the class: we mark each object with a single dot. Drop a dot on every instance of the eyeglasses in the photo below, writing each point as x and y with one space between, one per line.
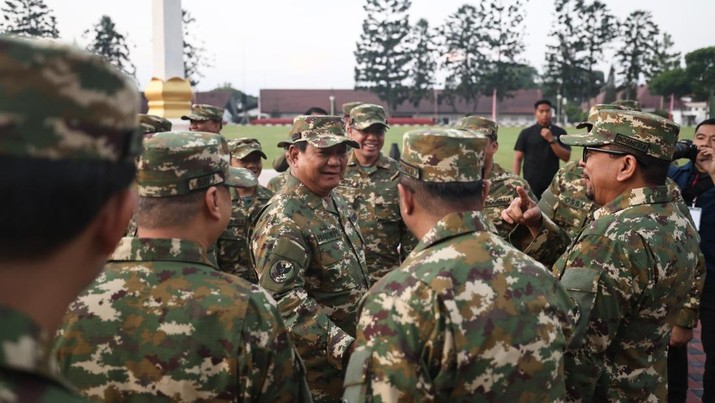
589 150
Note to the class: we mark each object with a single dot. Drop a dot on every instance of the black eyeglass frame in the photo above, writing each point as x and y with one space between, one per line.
587 150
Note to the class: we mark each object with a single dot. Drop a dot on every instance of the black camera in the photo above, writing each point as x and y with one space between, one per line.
685 149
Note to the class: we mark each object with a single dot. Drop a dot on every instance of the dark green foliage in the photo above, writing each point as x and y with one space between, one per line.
28 18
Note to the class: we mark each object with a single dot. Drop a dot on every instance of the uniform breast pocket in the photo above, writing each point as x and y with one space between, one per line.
337 266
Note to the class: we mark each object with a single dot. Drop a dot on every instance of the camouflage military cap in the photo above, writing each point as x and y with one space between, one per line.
153 124
630 104
366 115
299 125
321 131
177 163
348 106
442 155
644 132
593 114
204 112
280 164
61 103
479 124
241 148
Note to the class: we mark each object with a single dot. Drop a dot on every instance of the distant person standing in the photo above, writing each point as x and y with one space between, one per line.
539 148
205 118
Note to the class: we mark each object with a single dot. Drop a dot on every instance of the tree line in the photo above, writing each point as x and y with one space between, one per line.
479 50
33 18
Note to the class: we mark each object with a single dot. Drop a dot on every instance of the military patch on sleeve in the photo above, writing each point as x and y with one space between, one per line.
282 271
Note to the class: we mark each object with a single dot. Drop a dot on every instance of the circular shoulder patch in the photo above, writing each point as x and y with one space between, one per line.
282 271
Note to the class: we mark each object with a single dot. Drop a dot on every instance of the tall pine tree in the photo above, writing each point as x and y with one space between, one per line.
195 59
637 55
422 68
107 42
28 18
382 55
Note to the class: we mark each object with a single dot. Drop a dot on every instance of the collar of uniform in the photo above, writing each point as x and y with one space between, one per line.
263 193
297 188
160 249
498 173
382 160
455 224
634 197
26 347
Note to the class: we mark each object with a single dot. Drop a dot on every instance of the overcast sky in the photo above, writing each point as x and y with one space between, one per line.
309 43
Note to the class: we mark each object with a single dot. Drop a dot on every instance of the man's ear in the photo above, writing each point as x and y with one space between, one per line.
211 202
111 222
293 152
627 168
486 185
407 200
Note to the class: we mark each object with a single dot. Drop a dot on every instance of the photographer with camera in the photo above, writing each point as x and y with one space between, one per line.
695 180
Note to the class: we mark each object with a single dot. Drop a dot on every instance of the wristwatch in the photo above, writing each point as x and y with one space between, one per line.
552 141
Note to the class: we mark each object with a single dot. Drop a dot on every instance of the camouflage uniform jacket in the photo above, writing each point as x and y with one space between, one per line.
565 201
161 323
467 317
28 373
630 288
373 196
233 252
501 193
277 182
310 255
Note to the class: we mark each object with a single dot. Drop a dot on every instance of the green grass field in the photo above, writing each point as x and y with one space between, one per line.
269 136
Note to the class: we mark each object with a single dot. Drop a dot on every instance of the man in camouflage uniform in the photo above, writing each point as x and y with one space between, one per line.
309 253
233 254
370 191
161 323
58 153
630 288
503 183
466 317
205 118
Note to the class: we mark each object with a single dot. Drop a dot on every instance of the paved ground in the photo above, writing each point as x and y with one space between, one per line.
696 361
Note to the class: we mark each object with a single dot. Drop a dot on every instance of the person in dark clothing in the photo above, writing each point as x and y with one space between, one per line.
695 180
539 148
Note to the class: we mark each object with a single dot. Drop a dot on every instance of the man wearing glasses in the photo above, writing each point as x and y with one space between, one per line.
630 269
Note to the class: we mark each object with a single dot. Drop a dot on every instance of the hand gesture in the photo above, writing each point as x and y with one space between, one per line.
523 210
547 135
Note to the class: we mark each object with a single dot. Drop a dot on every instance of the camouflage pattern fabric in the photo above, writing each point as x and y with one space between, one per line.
650 134
309 254
28 373
177 163
466 318
233 251
501 193
65 125
631 291
161 323
366 115
479 124
320 131
277 182
242 147
153 124
431 155
203 112
372 194
348 106
565 201
629 103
